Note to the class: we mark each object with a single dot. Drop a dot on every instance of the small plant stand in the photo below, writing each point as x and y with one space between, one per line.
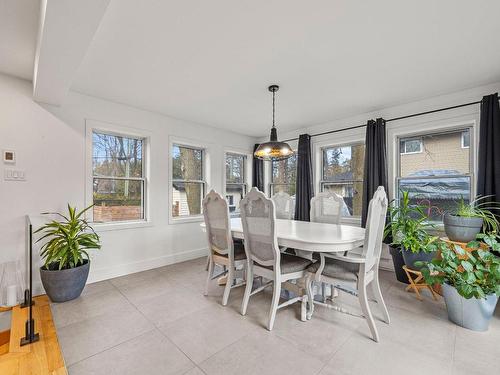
417 282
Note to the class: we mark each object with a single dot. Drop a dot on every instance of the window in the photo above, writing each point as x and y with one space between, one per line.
188 184
343 169
439 175
236 187
466 139
118 177
283 175
410 146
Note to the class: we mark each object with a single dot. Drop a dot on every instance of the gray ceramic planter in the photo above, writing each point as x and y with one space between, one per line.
474 314
65 285
462 229
410 257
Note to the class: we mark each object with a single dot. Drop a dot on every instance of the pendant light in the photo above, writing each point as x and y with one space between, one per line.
273 150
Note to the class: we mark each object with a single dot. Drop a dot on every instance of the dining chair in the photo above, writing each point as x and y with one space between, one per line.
264 259
222 250
326 207
353 271
284 205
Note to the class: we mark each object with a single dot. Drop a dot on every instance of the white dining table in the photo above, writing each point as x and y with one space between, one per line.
312 237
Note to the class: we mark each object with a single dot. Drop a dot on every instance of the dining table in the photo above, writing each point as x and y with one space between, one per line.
311 237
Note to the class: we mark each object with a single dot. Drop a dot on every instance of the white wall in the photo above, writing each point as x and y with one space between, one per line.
431 122
50 147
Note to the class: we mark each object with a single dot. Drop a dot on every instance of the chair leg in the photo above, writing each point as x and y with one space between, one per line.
229 284
208 263
303 308
363 301
209 276
380 299
310 296
323 292
248 288
275 302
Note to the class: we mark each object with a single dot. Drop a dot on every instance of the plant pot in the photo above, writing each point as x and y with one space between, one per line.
398 262
462 229
410 257
473 313
65 285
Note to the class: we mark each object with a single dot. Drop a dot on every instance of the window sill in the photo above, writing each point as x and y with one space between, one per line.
186 219
121 225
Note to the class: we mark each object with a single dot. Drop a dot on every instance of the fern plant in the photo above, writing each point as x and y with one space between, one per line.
67 241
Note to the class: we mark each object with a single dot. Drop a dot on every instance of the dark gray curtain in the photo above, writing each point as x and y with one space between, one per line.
304 185
488 177
257 172
375 163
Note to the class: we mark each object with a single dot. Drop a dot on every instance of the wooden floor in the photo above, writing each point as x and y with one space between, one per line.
40 358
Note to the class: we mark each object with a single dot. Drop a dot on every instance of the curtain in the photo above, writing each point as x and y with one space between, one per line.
375 163
257 172
488 177
304 183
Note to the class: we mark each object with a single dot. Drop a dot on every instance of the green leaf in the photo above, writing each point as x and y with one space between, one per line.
466 265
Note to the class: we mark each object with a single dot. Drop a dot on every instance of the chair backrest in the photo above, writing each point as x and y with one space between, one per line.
326 207
258 219
284 205
216 214
375 223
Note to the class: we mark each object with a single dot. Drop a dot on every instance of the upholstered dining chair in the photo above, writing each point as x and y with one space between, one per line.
264 259
222 250
354 271
284 205
326 207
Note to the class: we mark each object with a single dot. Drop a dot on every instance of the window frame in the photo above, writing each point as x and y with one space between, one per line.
175 141
247 168
92 126
271 176
421 144
322 182
462 127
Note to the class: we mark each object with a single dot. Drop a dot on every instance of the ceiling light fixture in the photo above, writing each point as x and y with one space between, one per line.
273 150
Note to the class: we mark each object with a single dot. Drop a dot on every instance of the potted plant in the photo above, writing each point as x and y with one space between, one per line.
468 219
64 250
471 282
408 227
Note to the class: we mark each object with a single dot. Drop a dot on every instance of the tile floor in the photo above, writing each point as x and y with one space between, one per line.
159 322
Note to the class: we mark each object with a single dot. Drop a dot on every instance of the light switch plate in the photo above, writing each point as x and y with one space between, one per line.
14 175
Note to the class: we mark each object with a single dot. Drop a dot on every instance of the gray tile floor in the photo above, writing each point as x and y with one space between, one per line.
159 322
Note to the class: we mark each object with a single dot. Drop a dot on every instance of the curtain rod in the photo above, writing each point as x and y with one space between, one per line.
391 119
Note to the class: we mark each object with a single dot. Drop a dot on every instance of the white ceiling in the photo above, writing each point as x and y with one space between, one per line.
211 61
18 30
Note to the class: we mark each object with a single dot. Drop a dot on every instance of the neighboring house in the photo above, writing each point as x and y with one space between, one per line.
452 148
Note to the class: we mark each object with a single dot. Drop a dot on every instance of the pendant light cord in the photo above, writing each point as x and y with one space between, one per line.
274 92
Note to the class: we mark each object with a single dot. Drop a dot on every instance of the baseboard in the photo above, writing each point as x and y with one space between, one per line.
106 273
100 274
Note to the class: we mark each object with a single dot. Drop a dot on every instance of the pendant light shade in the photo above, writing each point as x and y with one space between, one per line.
274 149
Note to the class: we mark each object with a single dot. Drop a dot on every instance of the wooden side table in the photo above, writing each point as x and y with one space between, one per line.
417 282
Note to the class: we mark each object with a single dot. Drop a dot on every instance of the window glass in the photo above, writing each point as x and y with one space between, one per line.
439 175
118 180
188 185
343 169
410 146
235 181
284 174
